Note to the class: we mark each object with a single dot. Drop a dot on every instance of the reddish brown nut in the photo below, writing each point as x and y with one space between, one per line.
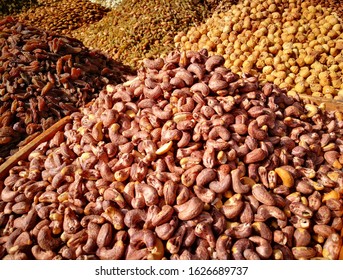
113 253
233 206
213 62
189 238
40 254
331 158
332 246
265 212
8 195
114 195
250 254
151 213
26 222
299 222
239 247
263 230
204 230
323 215
169 192
144 245
304 253
255 156
323 230
156 64
205 176
148 192
337 223
237 185
224 182
197 69
205 194
257 133
190 209
188 178
263 248
92 233
282 252
105 235
334 205
238 231
173 245
46 241
183 195
247 215
304 187
280 237
262 195
223 244
166 231
315 200
115 217
299 209
163 216
134 217
71 223
302 237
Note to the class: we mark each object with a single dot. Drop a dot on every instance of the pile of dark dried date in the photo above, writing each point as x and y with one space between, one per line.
44 77
185 161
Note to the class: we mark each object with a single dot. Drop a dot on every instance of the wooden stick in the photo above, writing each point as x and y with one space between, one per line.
24 152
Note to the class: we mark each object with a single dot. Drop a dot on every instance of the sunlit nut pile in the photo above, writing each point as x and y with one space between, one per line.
62 16
220 5
11 7
107 3
44 77
187 160
137 29
336 5
292 44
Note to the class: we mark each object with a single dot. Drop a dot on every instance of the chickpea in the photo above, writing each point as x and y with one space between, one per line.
290 46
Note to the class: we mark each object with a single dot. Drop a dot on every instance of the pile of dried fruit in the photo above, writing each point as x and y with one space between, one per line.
137 29
71 15
12 7
44 77
290 43
185 161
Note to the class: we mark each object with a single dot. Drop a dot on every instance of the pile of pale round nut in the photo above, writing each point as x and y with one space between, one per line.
186 160
44 77
294 44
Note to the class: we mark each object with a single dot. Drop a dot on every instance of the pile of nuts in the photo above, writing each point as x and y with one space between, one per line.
287 42
336 5
134 29
71 15
187 160
44 77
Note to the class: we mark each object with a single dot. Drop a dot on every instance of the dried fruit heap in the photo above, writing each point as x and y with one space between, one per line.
185 161
44 77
